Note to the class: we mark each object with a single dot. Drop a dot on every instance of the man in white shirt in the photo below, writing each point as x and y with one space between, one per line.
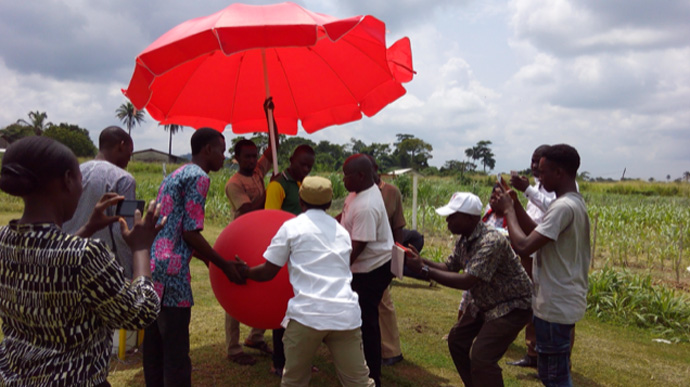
364 217
561 268
325 308
538 201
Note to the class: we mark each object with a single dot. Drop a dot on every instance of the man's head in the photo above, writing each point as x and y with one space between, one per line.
358 173
246 155
208 147
301 162
495 195
316 192
116 146
536 156
558 166
377 178
462 213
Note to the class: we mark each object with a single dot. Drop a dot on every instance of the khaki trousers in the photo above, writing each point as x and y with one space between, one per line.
390 336
301 343
232 335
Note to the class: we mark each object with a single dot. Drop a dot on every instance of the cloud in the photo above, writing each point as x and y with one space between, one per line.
612 78
571 28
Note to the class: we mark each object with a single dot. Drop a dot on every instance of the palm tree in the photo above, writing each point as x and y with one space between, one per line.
172 129
37 122
129 116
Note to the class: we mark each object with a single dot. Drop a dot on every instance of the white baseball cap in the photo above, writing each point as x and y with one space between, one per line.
465 202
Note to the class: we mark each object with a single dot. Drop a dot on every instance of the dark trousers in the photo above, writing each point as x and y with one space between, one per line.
477 345
166 349
554 343
369 288
278 349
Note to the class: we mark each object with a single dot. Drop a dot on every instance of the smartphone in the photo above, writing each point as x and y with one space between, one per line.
126 208
503 183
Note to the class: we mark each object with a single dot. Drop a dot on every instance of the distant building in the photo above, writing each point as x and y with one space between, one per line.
156 156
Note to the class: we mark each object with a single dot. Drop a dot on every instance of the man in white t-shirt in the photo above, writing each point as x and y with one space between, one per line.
563 255
364 217
538 201
325 308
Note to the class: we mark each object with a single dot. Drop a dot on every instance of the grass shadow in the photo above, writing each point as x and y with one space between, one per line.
210 367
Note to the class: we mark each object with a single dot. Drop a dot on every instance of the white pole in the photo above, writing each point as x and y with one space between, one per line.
271 125
414 201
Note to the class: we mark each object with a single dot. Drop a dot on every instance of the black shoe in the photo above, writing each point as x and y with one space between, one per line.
389 361
527 361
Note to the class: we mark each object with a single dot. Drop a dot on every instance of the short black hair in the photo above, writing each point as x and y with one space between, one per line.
203 137
304 148
241 144
31 162
540 150
309 206
565 156
112 136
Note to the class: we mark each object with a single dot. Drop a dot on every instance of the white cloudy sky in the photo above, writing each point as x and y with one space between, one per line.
611 78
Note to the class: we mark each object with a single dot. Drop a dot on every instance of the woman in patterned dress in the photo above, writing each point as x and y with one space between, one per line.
62 295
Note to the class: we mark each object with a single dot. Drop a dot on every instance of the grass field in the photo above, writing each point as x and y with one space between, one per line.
640 227
604 354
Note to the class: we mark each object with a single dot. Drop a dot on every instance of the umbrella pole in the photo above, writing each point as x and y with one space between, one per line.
269 115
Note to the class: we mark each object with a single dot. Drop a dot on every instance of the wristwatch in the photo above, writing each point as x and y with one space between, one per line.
425 272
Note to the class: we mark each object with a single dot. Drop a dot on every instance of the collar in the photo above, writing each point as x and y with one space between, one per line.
287 175
478 231
31 227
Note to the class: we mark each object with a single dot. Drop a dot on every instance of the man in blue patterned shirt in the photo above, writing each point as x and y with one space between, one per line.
500 291
182 197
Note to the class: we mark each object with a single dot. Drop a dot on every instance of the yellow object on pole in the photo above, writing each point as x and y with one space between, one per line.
122 347
140 337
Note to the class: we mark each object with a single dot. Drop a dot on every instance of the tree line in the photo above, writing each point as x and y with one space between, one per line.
407 151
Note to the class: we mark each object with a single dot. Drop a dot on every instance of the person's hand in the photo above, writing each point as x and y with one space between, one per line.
98 218
144 230
519 182
268 104
412 259
242 267
231 271
504 202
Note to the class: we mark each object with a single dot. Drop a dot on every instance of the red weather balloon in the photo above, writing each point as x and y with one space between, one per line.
257 304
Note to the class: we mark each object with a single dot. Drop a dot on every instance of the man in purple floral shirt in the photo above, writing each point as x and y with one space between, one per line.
182 196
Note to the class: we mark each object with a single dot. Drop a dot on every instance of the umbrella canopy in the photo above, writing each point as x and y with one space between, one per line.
218 70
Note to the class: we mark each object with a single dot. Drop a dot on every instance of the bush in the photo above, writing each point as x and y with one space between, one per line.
632 299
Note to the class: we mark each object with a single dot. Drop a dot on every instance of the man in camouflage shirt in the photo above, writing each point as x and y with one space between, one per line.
500 291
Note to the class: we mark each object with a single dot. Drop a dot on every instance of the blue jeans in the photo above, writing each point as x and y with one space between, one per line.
553 352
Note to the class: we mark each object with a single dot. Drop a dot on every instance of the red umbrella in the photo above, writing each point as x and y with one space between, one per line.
217 70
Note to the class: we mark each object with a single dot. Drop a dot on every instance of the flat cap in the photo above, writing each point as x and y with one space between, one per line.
316 190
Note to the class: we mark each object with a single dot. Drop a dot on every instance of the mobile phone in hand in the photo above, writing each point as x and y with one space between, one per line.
502 183
126 208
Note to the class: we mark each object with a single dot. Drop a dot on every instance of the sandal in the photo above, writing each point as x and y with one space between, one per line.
262 346
242 359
